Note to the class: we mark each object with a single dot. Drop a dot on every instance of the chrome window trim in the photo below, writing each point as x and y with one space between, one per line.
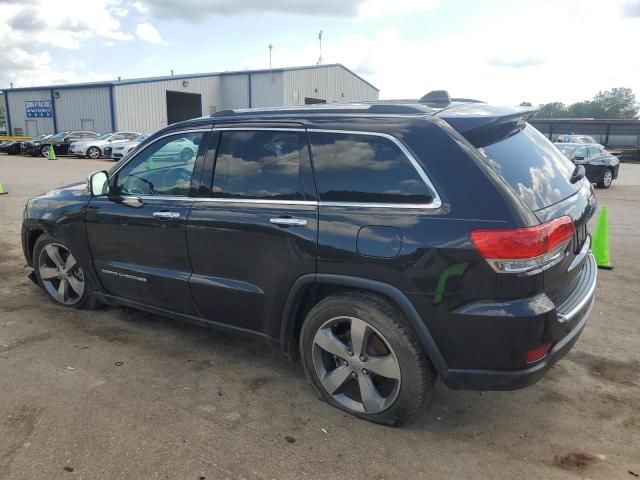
435 203
259 201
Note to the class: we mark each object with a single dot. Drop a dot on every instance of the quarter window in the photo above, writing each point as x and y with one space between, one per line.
163 168
266 165
364 168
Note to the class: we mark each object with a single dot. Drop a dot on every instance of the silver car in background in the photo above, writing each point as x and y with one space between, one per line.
97 147
120 150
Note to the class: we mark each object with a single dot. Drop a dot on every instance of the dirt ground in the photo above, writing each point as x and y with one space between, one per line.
120 394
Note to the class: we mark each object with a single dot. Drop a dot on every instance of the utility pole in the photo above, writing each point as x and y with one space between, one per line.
319 62
270 50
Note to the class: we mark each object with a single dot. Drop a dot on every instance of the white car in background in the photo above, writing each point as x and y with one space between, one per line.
120 150
95 148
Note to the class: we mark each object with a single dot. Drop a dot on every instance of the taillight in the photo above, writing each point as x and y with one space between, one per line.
518 250
537 354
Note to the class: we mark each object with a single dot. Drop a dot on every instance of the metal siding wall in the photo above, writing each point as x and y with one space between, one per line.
267 91
143 106
234 91
75 105
331 83
18 112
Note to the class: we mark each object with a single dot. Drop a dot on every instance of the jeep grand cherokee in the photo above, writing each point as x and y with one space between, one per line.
385 243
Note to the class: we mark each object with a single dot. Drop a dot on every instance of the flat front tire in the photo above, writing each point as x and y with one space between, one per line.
60 275
361 356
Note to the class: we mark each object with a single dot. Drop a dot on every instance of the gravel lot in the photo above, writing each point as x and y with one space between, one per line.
120 394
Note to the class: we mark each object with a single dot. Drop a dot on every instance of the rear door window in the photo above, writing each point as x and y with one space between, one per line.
262 165
364 169
533 167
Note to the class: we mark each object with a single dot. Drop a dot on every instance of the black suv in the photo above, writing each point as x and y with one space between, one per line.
385 244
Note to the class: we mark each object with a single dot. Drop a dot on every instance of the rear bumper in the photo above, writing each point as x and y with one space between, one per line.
574 310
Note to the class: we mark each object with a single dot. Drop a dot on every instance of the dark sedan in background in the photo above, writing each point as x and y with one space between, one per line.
61 141
600 166
32 147
12 147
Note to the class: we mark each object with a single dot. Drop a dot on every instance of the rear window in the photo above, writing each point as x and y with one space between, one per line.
364 168
533 167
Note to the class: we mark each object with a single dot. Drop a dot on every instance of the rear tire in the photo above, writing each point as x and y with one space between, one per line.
388 380
607 179
60 275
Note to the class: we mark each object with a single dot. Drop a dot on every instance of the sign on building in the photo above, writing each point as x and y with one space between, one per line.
39 109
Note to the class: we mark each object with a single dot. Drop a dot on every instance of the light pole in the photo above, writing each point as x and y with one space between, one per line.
320 40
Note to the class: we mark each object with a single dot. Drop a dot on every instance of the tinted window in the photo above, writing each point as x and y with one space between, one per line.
261 165
534 168
364 168
580 153
594 152
163 168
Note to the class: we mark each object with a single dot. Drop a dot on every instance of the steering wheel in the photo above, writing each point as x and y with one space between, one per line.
130 187
173 176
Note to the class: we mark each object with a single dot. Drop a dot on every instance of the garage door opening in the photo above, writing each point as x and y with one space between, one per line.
183 106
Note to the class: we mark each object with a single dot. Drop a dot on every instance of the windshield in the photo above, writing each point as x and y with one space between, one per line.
104 136
533 167
140 138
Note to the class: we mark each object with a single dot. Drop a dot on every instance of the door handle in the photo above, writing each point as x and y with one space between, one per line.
289 222
166 214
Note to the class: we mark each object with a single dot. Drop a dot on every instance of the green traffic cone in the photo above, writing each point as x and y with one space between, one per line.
2 190
600 241
52 153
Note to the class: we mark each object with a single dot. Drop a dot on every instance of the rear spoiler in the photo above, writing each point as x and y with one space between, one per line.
484 125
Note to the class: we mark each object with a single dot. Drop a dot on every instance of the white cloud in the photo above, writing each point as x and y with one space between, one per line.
527 56
381 8
29 29
148 33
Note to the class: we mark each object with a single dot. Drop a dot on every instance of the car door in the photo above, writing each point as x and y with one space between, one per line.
137 232
256 232
593 167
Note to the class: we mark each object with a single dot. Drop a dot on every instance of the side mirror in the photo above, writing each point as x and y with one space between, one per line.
98 183
578 159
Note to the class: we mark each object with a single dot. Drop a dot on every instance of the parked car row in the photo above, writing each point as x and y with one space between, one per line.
78 143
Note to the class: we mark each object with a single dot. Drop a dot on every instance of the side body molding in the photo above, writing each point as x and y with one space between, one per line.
295 295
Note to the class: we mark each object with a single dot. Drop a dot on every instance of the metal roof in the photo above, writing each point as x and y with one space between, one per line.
131 81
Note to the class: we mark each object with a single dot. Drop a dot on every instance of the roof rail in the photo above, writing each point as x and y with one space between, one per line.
436 96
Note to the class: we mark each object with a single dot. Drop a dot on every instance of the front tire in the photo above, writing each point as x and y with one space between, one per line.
60 275
607 179
93 153
361 356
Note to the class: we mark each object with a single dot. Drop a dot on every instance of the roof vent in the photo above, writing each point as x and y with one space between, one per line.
436 96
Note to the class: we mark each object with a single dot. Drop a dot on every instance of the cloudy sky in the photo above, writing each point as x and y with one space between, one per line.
502 51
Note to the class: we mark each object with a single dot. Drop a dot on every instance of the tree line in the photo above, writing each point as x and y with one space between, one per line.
615 103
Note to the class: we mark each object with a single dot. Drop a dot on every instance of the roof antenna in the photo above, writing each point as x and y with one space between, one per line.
320 61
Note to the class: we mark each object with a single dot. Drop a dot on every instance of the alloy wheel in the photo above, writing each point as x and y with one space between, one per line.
61 275
356 365
93 153
607 178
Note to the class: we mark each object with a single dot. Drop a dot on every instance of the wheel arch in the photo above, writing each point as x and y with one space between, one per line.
315 287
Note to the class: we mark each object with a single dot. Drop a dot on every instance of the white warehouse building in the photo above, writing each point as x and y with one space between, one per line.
147 104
